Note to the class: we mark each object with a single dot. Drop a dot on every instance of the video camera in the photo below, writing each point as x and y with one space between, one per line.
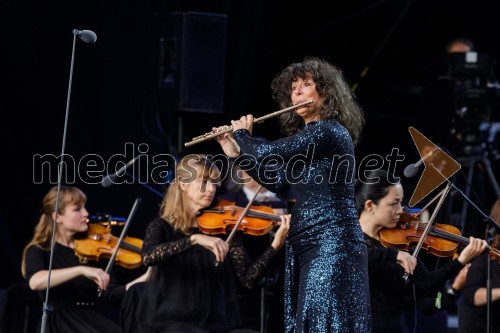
477 103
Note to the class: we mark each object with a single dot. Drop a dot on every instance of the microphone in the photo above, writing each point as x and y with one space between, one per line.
412 169
88 36
109 180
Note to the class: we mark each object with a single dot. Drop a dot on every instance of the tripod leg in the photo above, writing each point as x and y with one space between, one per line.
491 175
470 175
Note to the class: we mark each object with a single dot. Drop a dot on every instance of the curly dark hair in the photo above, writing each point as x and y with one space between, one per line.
340 102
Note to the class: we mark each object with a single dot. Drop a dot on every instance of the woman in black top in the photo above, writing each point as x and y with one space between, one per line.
472 312
74 285
187 291
379 203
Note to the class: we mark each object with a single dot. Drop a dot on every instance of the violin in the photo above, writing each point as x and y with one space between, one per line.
221 219
442 239
99 243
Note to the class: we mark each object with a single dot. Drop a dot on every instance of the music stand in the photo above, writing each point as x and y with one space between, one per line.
439 167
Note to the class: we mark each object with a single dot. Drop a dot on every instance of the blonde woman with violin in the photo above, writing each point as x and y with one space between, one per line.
73 285
379 203
192 287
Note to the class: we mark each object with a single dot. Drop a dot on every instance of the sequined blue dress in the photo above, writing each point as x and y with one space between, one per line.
326 275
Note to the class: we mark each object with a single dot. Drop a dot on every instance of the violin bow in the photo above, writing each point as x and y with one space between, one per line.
120 240
242 216
441 195
240 219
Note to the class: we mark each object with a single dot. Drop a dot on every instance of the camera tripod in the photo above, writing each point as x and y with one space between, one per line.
469 165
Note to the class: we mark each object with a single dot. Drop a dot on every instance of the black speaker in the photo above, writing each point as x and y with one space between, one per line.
191 61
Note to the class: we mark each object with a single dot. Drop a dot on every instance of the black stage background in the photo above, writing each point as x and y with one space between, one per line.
115 96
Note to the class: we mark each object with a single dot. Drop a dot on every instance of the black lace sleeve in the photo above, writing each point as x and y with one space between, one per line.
161 243
249 273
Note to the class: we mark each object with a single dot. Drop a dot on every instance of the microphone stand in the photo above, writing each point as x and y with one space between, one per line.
488 289
486 218
47 308
490 224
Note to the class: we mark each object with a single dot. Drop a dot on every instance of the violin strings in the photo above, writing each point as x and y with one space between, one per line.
446 234
452 236
255 213
125 245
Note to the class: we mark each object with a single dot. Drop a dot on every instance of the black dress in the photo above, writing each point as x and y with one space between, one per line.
74 303
186 291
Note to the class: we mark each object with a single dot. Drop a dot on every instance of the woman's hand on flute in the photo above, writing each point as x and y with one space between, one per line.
226 141
245 122
229 146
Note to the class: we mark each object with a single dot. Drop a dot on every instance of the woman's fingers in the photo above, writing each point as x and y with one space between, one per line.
223 132
245 122
214 244
475 247
229 146
282 232
100 277
220 249
407 261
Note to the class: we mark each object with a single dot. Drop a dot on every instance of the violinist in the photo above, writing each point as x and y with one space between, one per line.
192 287
73 285
379 203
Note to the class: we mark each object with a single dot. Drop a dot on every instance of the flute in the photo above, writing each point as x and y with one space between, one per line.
211 135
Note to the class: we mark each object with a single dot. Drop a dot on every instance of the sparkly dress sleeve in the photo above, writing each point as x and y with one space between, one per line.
272 159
